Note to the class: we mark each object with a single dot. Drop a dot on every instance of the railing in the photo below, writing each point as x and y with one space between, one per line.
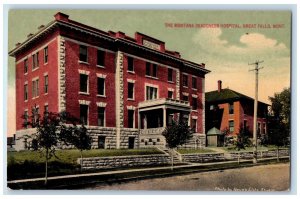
164 101
152 131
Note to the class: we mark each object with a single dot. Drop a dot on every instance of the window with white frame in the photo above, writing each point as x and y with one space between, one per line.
101 86
84 113
151 93
194 125
46 83
46 55
26 66
101 116
130 90
84 83
26 92
35 88
231 126
170 94
35 60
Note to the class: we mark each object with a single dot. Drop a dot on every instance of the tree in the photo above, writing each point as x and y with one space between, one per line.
226 133
279 119
176 134
46 137
75 135
243 140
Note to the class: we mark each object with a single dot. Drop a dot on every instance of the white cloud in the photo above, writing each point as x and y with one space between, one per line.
229 62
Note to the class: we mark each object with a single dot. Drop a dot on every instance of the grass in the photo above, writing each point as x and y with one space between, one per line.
70 156
259 148
187 151
31 164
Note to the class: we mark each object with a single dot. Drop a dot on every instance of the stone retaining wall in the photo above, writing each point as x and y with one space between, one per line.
260 154
124 161
203 157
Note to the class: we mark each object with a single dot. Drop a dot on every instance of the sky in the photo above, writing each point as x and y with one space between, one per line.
226 41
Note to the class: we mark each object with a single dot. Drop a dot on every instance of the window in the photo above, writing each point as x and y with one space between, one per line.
83 54
46 55
148 69
35 88
100 58
151 93
25 92
185 80
258 127
185 98
101 112
35 61
130 118
84 113
170 94
46 84
170 75
195 105
194 82
154 70
245 124
84 83
231 108
130 64
264 128
170 120
26 119
194 125
130 90
101 86
46 109
231 126
26 66
211 107
101 142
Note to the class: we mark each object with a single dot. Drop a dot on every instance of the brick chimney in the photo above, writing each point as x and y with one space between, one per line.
61 16
219 86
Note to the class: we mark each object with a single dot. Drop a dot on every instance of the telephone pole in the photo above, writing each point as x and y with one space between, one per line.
256 69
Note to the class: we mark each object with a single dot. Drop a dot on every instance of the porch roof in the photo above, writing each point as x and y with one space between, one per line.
165 103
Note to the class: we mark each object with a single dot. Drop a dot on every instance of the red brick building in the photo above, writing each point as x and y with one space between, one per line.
226 108
125 89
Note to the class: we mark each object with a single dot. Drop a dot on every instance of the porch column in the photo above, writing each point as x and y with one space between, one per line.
139 120
165 117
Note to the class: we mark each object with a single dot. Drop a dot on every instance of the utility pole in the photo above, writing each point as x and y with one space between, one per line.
256 69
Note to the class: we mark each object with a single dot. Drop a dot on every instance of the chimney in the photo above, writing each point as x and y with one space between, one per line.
61 16
29 35
40 27
120 34
219 86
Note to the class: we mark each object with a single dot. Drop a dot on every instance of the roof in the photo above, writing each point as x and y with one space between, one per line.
214 131
226 95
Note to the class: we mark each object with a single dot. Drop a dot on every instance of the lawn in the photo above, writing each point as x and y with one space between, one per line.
187 151
70 156
259 148
30 164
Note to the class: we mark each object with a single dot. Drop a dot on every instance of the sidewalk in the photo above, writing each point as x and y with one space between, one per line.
121 175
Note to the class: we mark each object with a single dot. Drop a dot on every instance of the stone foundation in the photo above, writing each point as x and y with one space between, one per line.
203 157
124 161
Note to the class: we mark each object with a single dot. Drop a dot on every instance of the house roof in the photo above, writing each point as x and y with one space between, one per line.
214 131
226 95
